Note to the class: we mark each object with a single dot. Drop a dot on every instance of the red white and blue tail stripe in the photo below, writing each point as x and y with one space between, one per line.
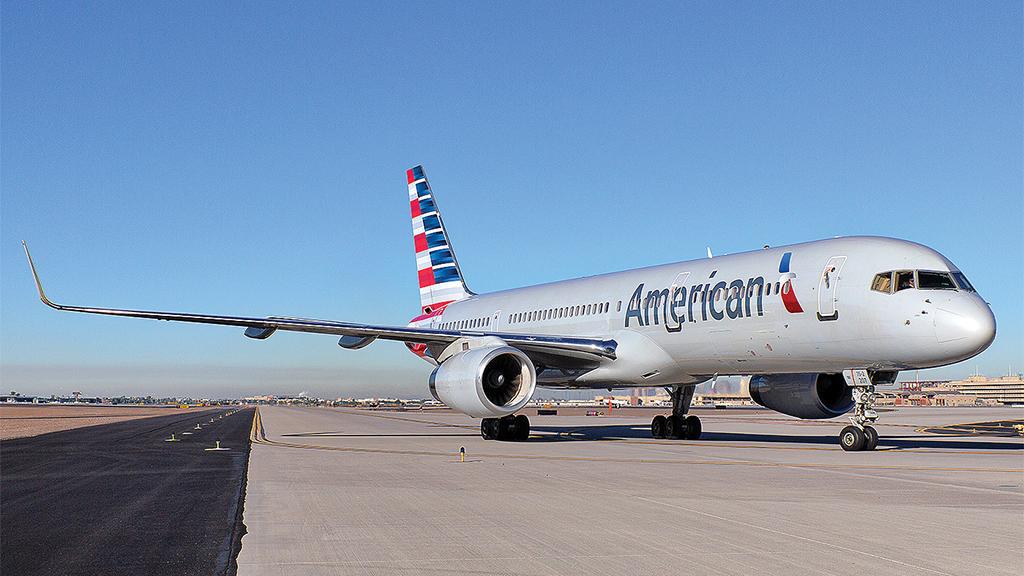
439 275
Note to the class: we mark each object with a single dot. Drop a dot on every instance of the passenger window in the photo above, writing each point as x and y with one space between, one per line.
882 282
904 280
934 281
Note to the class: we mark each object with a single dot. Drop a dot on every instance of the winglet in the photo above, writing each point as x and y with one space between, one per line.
35 276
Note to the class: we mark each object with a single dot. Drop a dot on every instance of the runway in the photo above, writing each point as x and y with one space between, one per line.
118 499
344 491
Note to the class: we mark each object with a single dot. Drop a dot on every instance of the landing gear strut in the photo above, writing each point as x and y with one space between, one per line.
861 435
678 425
505 428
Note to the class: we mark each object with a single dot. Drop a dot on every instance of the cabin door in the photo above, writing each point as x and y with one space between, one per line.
828 289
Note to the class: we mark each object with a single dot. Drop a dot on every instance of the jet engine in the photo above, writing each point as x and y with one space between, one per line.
808 396
486 382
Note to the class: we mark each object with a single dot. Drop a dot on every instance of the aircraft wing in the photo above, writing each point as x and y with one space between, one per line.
357 335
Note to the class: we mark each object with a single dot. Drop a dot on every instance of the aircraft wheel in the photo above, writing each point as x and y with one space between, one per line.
522 427
852 439
672 427
489 428
870 438
693 428
658 426
507 428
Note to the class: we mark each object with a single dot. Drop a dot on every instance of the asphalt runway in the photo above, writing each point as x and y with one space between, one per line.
343 491
118 499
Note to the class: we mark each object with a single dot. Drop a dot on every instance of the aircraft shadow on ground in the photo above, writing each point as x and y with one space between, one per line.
615 432
383 435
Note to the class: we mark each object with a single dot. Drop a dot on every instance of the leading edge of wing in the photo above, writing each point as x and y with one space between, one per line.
592 346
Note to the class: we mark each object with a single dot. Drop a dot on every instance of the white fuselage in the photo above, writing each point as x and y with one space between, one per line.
755 312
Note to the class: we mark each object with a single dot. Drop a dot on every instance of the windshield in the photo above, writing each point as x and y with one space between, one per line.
962 282
928 280
895 281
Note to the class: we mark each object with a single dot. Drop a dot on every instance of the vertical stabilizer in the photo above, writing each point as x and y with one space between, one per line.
440 278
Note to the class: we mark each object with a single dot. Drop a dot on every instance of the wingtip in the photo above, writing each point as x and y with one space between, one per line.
35 277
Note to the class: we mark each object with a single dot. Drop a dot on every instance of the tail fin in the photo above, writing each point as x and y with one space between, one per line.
440 278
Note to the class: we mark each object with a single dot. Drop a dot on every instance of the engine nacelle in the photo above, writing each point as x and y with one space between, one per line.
808 396
485 382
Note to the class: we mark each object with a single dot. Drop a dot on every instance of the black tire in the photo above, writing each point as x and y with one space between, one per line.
852 439
658 426
672 427
487 431
522 427
507 428
870 438
693 428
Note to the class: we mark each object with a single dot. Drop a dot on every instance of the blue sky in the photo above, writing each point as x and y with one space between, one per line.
248 158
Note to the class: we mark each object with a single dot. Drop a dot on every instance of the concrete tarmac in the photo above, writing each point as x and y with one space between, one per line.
118 499
344 491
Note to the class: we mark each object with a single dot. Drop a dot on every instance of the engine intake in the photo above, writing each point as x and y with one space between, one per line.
485 382
808 396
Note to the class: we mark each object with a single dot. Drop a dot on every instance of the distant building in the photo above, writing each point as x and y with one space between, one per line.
1002 390
15 398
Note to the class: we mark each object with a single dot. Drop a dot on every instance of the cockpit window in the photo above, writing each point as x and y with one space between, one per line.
962 282
904 280
882 282
928 280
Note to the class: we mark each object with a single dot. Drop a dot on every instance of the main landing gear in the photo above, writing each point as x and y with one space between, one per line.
678 425
509 427
860 435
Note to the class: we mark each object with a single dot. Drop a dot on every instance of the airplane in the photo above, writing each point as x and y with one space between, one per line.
817 325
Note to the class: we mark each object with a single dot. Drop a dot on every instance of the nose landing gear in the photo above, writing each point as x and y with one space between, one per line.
678 425
861 435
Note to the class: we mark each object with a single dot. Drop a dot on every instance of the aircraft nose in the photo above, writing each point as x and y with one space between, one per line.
966 327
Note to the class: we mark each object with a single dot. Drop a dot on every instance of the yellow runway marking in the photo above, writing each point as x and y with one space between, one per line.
258 436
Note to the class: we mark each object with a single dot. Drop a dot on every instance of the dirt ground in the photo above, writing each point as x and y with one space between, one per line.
32 420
